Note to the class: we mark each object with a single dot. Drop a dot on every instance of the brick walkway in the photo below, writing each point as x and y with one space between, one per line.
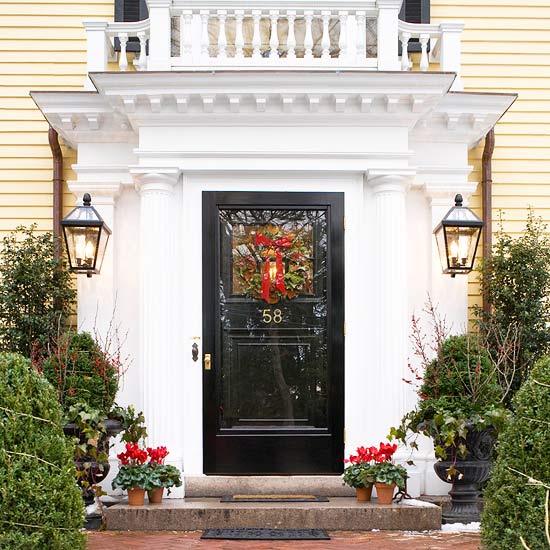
384 540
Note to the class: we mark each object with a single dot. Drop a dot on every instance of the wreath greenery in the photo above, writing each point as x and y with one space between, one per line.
294 249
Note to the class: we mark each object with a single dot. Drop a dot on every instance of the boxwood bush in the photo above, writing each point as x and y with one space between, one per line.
82 372
514 503
40 504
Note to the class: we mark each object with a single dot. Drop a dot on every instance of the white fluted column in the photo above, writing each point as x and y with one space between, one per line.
390 294
158 268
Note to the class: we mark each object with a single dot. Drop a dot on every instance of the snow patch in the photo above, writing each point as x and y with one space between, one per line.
461 527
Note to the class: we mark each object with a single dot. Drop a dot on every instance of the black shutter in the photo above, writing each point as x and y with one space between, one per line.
414 11
130 10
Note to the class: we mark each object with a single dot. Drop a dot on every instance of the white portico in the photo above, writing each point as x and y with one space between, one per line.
151 142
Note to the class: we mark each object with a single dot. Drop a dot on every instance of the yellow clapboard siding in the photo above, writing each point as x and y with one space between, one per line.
35 45
94 9
505 50
485 11
482 48
42 47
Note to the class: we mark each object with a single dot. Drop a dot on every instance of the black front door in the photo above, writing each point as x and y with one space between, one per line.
273 306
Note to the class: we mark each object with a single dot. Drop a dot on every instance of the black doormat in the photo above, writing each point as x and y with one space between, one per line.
273 498
246 533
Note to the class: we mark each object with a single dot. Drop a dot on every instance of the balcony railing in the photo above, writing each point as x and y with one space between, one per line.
184 34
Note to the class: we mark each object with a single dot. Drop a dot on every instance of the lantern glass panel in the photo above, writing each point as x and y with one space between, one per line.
102 245
82 246
461 246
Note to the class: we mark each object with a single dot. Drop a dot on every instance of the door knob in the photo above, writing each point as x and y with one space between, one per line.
207 361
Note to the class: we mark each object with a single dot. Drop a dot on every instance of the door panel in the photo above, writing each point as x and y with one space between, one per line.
273 324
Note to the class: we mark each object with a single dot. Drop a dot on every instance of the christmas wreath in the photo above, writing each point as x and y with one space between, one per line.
275 264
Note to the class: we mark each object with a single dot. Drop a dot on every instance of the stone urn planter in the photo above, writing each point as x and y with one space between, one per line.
97 471
474 469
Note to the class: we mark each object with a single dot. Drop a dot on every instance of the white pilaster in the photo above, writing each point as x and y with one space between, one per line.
160 35
390 293
98 48
97 294
451 50
159 266
388 34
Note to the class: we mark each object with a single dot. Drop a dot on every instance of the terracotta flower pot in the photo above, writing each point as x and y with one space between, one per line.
363 494
136 496
155 495
384 492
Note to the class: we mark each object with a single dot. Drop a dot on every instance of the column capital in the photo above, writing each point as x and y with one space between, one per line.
104 193
443 194
397 181
155 179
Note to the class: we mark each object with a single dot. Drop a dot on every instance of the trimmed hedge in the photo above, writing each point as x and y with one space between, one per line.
514 507
41 506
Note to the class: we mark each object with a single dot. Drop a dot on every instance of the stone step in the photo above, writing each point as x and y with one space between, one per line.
218 486
340 513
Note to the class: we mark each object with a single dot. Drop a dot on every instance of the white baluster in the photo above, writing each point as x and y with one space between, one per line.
424 62
186 36
361 19
205 41
239 38
325 42
222 39
291 40
256 40
405 62
142 61
123 61
343 42
274 39
308 40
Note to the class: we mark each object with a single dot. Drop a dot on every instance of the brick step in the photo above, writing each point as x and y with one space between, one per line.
340 513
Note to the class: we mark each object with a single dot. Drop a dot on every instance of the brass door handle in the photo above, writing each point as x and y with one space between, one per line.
207 361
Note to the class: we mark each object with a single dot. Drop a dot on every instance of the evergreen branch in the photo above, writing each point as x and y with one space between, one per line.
530 479
34 526
28 415
34 456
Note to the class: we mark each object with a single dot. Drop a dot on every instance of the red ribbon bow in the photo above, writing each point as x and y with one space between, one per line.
282 242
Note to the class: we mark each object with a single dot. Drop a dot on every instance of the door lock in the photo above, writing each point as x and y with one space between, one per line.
207 361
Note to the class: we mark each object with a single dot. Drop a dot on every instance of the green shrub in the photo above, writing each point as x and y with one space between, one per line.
460 393
40 504
514 505
516 282
82 373
36 294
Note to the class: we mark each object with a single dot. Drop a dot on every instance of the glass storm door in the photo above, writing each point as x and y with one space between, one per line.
273 305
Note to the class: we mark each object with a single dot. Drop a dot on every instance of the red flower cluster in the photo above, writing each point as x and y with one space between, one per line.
371 454
134 456
157 456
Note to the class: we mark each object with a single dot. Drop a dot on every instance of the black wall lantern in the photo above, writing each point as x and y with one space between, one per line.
457 238
86 236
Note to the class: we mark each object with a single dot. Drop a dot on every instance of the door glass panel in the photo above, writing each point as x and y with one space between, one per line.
273 320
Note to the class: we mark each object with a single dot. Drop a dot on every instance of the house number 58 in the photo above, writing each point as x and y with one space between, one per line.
272 317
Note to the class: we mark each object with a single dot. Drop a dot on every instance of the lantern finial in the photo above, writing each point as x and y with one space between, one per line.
458 200
87 199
